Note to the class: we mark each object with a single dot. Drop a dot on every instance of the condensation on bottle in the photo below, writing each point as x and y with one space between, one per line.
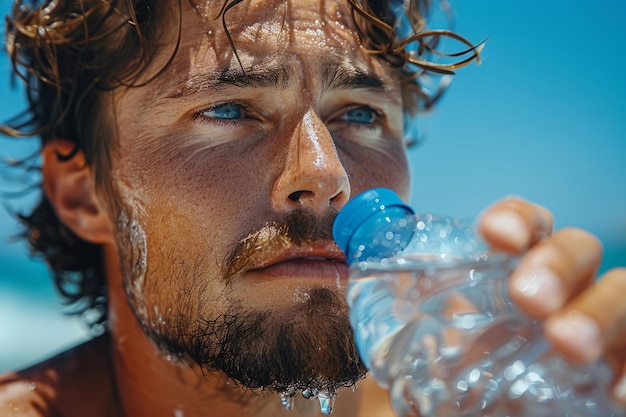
435 326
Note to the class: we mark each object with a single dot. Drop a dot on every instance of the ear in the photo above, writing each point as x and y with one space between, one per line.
71 189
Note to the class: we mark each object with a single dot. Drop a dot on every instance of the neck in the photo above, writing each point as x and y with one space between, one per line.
150 385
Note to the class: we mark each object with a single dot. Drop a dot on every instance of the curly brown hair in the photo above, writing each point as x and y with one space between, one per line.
67 52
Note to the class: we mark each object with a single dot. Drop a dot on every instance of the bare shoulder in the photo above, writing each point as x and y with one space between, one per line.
17 398
75 383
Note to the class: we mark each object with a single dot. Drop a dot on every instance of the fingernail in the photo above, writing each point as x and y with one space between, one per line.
540 284
620 389
580 332
513 225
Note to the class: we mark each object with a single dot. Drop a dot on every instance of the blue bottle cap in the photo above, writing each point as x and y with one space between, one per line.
360 208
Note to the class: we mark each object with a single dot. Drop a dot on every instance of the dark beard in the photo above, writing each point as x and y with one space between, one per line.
307 346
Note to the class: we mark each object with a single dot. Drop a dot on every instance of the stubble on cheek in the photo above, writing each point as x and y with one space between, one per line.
133 254
167 279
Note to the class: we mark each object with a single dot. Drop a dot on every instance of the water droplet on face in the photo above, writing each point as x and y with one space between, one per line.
326 398
327 402
287 401
301 295
31 386
287 397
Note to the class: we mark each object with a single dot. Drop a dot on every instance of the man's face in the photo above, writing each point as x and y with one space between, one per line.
228 181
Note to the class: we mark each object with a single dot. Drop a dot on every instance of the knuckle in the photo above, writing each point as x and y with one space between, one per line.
578 238
543 255
617 274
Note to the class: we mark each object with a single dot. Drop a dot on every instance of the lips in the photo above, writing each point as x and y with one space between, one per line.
321 261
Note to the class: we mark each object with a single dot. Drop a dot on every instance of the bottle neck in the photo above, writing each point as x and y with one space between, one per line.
384 234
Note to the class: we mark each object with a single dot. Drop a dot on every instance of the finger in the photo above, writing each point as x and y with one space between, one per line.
619 389
555 271
593 323
514 224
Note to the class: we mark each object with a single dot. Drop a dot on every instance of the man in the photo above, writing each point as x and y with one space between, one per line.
194 156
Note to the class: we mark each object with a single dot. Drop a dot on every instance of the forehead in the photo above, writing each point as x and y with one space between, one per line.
215 38
284 20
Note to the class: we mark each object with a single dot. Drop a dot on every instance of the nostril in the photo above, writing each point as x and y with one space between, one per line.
340 198
295 196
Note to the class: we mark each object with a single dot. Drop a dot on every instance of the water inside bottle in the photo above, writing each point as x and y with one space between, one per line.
452 341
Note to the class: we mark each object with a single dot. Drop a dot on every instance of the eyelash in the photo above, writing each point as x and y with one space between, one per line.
378 116
198 116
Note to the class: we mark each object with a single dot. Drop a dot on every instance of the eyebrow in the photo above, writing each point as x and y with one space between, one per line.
335 75
262 76
342 76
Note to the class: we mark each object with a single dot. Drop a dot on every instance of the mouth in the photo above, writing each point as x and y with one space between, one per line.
317 262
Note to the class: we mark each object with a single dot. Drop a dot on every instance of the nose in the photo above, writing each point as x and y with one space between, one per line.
312 176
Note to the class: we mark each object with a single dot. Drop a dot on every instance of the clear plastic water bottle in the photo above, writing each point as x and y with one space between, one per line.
434 324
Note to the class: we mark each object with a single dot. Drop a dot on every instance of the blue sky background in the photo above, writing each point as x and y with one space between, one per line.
543 117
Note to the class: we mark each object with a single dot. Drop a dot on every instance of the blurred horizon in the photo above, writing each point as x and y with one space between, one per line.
543 117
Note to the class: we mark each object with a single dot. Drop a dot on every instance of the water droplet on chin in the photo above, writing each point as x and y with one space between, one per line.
327 402
287 397
287 401
325 398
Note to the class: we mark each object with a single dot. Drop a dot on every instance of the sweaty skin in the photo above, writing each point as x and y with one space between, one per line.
211 166
208 157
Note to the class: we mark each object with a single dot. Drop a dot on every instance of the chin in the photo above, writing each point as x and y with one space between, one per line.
303 346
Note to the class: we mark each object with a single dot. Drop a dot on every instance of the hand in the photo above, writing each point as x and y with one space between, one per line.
555 281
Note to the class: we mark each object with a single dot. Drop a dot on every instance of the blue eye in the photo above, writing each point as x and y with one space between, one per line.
227 111
364 115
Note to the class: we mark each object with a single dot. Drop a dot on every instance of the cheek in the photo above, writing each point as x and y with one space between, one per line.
187 208
201 187
182 262
369 168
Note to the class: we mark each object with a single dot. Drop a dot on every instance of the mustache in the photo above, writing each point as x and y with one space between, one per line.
299 227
